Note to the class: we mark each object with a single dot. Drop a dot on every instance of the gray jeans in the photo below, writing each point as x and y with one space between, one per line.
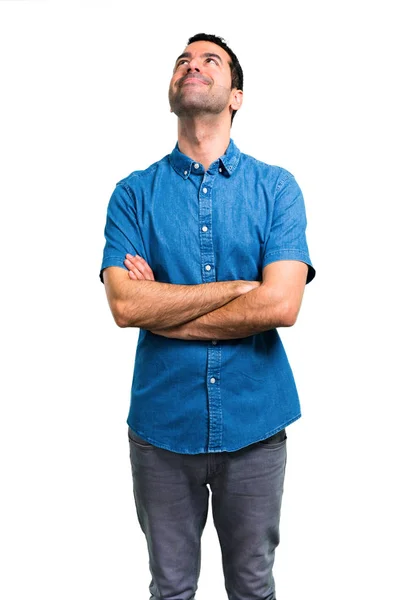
171 494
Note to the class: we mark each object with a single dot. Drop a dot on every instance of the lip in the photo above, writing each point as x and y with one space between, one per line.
194 80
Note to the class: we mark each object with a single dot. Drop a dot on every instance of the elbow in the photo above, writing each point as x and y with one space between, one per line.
121 322
288 315
283 306
124 306
119 313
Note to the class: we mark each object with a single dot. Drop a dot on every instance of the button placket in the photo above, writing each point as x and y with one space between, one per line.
205 229
207 256
214 398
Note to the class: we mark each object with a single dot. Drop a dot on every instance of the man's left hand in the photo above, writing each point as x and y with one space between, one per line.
138 268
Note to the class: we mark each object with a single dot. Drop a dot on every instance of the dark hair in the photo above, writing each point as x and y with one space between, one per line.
236 69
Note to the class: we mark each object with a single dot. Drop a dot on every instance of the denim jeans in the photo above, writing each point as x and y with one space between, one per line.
171 493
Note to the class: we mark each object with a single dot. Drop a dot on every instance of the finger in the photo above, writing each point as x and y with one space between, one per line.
133 256
149 274
132 275
139 265
137 273
128 263
134 267
144 267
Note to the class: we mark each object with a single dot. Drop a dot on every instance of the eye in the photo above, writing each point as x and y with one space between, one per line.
210 59
181 62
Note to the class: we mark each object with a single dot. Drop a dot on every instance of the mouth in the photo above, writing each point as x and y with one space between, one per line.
192 80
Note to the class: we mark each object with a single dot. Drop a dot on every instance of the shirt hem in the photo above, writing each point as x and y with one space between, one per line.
214 450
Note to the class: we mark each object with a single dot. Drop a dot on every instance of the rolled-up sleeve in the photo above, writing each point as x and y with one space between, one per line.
122 231
287 235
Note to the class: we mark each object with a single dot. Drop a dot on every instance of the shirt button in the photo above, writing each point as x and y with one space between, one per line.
204 190
220 170
204 228
196 165
185 172
212 380
207 268
214 342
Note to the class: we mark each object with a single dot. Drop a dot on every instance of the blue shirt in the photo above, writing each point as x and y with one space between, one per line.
194 226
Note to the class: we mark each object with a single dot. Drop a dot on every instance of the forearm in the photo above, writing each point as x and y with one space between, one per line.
258 310
154 305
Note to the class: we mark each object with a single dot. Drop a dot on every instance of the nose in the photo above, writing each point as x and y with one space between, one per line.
193 65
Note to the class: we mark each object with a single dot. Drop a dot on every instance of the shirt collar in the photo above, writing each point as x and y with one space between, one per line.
184 165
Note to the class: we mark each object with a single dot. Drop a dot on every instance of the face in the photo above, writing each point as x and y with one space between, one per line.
201 81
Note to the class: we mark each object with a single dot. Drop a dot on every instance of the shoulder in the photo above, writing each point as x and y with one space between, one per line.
145 175
272 175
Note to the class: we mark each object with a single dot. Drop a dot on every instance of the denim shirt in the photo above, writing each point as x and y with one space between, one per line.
194 226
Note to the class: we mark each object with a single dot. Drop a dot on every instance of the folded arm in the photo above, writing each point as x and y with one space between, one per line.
136 300
275 303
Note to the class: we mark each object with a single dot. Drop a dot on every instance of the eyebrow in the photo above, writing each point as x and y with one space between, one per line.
204 55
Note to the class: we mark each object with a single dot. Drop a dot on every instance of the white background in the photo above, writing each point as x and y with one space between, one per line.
84 103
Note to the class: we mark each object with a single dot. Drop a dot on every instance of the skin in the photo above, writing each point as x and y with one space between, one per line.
201 95
139 302
273 303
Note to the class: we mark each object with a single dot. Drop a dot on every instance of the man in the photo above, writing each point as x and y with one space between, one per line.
206 253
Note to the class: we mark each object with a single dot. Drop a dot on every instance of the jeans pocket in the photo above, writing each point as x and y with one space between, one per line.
276 439
137 440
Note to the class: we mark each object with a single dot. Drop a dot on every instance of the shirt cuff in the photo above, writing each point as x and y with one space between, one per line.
111 261
291 254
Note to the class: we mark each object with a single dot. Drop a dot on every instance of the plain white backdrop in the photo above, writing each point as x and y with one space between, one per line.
84 103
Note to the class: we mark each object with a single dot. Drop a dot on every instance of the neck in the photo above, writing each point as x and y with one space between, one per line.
203 140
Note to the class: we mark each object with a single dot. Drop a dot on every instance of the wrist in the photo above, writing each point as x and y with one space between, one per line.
247 286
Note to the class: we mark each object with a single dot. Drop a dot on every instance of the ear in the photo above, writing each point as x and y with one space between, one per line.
236 99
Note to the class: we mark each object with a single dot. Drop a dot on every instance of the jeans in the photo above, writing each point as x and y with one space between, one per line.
171 494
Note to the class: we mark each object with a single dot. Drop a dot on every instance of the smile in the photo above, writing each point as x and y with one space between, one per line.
194 80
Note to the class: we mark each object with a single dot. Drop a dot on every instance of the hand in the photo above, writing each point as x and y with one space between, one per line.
248 286
138 268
